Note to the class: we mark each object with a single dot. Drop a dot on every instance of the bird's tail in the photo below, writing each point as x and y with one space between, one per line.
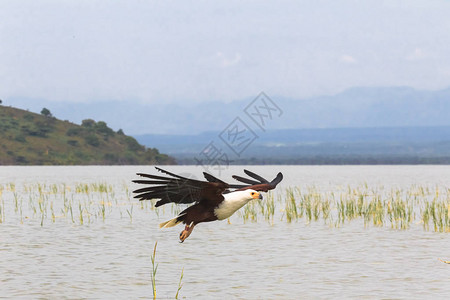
172 222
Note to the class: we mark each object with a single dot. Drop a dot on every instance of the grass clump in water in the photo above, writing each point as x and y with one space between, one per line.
86 203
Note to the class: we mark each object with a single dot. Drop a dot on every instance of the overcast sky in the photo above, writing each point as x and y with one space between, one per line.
174 51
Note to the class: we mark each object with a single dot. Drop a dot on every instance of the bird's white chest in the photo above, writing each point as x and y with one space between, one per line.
228 207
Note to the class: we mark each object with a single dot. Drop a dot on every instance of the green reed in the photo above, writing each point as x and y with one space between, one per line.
249 212
130 213
154 270
80 204
86 203
397 208
268 207
438 212
2 205
180 284
290 206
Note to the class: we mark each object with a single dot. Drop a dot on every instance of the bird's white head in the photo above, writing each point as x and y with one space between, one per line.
254 194
250 194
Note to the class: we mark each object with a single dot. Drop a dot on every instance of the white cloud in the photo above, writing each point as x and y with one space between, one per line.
417 54
228 61
348 59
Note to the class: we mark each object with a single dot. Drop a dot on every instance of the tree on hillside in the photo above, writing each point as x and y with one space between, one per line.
46 113
102 128
88 123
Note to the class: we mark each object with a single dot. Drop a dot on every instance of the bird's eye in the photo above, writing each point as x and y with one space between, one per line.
253 193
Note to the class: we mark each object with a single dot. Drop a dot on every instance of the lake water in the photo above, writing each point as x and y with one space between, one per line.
110 257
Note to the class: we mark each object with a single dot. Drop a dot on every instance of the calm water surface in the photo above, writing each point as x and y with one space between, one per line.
111 258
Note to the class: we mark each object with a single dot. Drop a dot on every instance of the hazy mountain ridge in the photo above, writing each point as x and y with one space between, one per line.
355 107
381 145
292 137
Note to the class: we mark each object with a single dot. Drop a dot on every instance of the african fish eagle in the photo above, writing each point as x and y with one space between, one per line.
213 199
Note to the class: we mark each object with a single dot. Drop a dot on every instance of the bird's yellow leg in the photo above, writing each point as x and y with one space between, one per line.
186 232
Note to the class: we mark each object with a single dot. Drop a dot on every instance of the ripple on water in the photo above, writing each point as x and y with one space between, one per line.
240 261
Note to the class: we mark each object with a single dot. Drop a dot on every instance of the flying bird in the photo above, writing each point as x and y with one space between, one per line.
213 199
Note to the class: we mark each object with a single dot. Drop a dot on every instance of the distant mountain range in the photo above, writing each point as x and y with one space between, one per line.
359 125
362 107
380 145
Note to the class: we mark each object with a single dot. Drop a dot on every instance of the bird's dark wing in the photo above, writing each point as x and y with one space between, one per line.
276 180
245 180
178 189
211 178
257 182
256 176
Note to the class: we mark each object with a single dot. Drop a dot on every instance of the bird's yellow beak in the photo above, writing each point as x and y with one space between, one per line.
256 195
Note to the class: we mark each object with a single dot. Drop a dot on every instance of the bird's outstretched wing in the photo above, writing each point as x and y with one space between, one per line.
211 178
256 182
178 189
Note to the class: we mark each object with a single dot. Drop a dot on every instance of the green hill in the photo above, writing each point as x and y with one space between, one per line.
28 138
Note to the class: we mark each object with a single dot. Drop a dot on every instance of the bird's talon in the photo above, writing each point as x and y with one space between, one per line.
183 236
